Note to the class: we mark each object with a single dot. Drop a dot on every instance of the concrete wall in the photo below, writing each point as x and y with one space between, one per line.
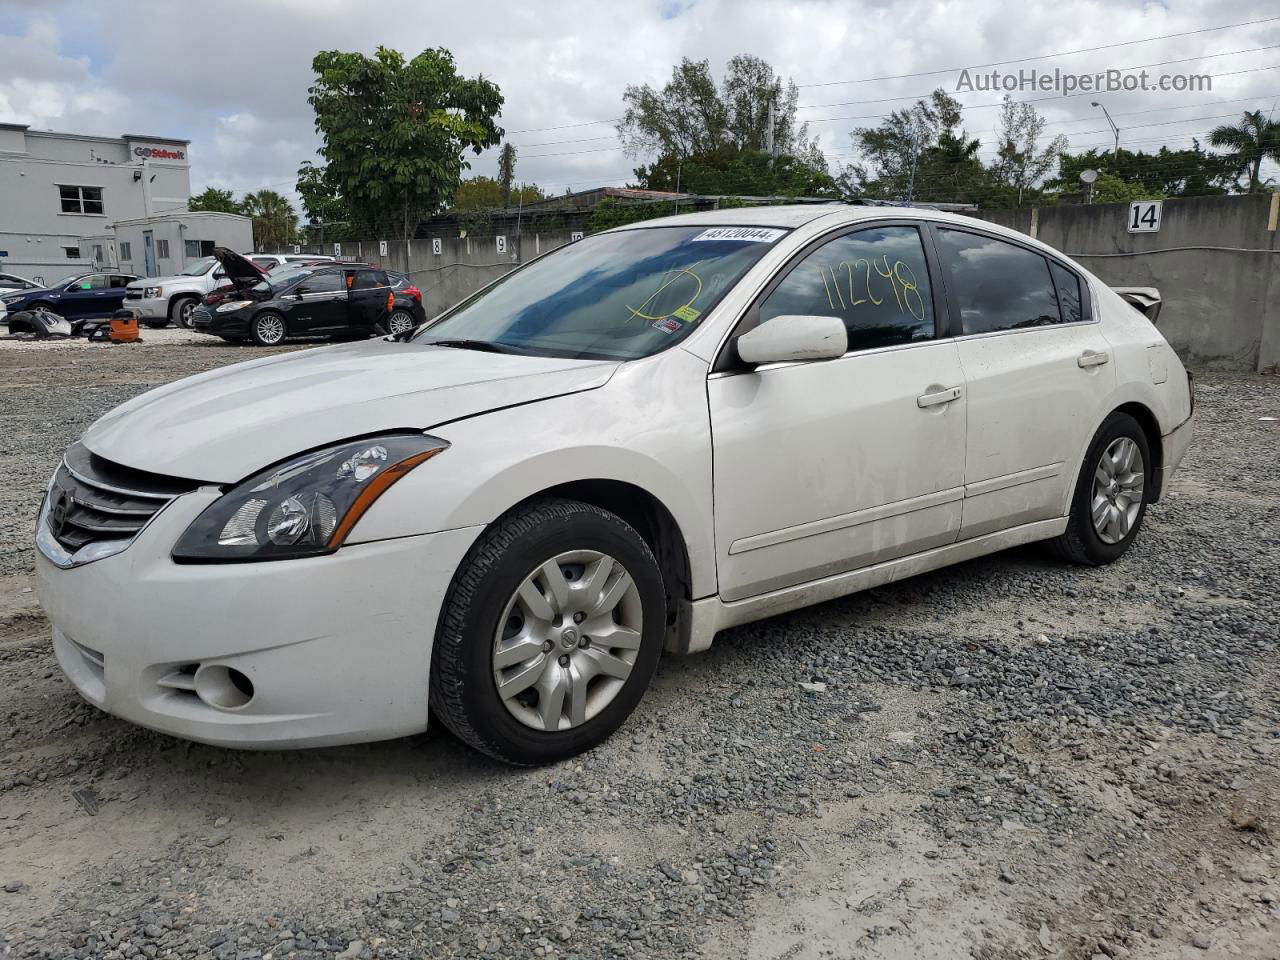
462 266
1215 260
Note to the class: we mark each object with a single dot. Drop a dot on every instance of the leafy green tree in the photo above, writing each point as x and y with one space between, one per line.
1021 163
1191 172
394 132
506 172
719 137
890 153
1109 188
1254 139
486 193
743 172
213 200
274 221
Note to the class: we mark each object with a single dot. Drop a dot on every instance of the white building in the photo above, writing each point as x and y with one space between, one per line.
71 203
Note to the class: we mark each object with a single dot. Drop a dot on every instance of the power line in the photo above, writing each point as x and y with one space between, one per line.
1064 96
1042 56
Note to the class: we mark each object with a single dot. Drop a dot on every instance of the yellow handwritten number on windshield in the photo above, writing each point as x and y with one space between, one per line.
637 311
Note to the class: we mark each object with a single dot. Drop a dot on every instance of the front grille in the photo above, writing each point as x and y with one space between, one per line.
201 317
93 499
133 294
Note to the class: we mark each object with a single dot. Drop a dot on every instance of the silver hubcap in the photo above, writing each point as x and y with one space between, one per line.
399 323
567 641
270 329
188 307
1117 490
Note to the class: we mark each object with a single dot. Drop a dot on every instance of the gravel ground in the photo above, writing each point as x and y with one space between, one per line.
1010 758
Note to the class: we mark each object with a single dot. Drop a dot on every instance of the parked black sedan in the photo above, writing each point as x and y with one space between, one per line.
82 297
333 299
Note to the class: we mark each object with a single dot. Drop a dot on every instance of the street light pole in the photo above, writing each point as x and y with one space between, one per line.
1114 129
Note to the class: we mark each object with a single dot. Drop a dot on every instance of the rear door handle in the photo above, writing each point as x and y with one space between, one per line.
942 396
1093 358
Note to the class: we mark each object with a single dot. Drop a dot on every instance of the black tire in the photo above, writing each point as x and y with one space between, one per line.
1081 542
180 311
257 325
463 693
400 322
156 324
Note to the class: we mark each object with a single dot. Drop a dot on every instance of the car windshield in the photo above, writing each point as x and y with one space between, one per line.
199 268
281 279
616 296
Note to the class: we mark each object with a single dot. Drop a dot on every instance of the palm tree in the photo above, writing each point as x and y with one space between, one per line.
1254 139
274 220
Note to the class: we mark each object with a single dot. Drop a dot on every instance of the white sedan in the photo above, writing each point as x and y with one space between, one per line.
626 445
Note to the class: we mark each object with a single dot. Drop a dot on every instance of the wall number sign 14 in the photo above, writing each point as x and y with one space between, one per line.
1144 216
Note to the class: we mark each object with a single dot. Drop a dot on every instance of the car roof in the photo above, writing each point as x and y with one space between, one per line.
799 214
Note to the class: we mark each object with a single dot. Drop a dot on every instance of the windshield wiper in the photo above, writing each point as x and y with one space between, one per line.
486 346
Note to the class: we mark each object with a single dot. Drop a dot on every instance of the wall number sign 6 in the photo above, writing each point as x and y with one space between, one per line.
1144 216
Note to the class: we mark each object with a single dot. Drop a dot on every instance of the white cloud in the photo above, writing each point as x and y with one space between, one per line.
233 77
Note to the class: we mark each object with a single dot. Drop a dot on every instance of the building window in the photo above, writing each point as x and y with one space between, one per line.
162 249
199 248
97 253
125 252
81 199
72 253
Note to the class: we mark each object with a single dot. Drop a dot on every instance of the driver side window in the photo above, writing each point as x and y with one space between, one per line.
875 280
322 283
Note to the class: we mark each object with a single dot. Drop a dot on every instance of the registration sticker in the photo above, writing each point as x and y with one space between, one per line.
747 234
666 325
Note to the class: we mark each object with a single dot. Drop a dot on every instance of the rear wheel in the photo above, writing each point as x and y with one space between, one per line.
268 329
550 634
400 322
180 311
1111 494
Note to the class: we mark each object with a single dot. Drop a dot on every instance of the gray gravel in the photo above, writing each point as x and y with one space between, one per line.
1009 758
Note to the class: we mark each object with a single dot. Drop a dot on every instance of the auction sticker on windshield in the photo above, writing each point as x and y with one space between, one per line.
749 234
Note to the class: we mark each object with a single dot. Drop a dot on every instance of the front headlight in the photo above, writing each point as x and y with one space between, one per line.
9 301
150 293
231 305
306 506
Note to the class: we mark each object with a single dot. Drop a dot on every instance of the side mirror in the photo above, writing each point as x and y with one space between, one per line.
219 274
794 338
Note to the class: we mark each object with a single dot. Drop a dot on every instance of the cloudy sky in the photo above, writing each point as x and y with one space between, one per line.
232 76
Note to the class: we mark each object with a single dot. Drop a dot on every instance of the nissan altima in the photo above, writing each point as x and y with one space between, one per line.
620 448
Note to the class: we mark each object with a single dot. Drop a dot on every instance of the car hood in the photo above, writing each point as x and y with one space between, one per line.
226 424
157 281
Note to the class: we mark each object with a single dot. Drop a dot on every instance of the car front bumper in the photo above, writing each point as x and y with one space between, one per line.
148 308
337 648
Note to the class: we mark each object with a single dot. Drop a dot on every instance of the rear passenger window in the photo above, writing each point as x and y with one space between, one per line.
998 286
369 279
875 280
1068 285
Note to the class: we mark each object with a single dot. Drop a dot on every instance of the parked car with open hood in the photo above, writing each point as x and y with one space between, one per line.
630 443
87 296
339 300
159 300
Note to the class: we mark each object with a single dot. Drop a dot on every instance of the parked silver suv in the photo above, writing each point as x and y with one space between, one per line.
161 299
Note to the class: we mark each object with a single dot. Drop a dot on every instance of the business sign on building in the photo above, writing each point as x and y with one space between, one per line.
159 153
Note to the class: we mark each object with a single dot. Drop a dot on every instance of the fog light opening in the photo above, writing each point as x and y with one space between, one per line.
223 687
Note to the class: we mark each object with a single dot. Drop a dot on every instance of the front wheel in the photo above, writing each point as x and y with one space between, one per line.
550 633
268 329
1111 494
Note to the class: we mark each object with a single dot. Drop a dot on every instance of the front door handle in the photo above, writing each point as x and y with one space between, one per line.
1093 358
942 396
